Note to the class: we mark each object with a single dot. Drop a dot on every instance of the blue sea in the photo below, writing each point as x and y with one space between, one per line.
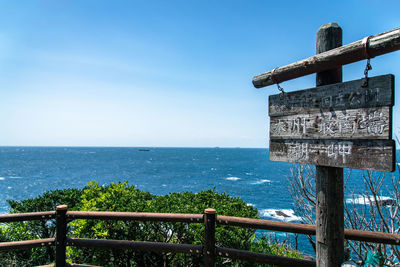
26 172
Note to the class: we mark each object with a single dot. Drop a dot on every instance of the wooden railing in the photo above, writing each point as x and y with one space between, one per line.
208 249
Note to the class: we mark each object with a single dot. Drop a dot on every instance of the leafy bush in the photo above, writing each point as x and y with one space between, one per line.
264 245
35 229
124 197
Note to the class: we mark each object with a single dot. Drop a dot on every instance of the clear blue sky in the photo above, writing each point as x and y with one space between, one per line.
163 73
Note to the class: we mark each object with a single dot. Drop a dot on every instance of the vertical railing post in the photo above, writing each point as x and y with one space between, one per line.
329 180
209 238
61 234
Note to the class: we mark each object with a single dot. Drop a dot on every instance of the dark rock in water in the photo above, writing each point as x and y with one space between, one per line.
143 149
280 213
385 202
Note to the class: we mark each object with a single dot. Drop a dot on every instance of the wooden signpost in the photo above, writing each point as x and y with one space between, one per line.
334 126
340 125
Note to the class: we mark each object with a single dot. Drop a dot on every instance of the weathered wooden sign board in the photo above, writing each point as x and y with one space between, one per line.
367 123
339 125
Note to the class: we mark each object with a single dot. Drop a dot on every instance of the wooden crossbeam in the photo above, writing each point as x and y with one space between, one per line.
377 45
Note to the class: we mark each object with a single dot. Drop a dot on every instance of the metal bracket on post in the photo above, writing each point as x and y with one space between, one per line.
273 79
368 67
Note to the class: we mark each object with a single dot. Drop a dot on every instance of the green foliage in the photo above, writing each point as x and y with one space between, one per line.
126 198
19 231
123 197
263 245
48 201
35 229
115 197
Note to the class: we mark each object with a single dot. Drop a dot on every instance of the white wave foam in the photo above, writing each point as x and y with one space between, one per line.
249 173
2 178
9 187
286 215
262 181
232 178
15 177
250 204
368 200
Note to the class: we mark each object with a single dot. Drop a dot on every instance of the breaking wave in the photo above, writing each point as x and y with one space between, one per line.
368 200
262 181
232 178
286 215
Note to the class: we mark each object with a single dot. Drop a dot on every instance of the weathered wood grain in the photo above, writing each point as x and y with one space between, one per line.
365 123
376 155
329 180
338 96
378 45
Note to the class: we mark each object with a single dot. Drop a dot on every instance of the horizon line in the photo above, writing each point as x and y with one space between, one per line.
111 146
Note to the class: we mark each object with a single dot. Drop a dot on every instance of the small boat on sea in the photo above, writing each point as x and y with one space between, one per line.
144 149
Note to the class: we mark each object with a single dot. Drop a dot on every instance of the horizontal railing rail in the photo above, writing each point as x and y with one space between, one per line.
31 216
372 237
266 225
27 244
208 250
136 216
308 229
237 254
136 245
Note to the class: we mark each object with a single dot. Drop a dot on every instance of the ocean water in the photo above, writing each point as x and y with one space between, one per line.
26 172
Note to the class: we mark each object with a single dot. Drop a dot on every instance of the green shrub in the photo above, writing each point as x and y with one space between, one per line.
35 229
124 197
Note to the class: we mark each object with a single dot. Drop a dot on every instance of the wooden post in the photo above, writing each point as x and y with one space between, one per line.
329 180
61 234
209 238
